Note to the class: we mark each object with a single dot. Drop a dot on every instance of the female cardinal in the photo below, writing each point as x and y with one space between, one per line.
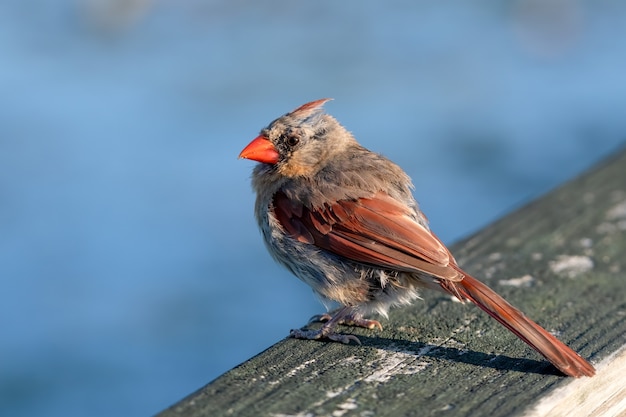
344 221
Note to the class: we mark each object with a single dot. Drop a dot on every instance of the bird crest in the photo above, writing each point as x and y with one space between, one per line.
309 110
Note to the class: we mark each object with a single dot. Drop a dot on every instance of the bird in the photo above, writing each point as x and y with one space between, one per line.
343 219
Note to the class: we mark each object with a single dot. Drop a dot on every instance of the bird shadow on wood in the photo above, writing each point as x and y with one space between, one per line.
499 362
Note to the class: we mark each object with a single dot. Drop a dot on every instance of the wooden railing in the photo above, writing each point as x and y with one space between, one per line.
561 260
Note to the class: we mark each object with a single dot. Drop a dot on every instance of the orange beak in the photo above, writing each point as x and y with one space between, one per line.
260 150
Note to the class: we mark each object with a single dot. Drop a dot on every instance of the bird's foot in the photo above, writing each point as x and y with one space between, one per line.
344 315
350 319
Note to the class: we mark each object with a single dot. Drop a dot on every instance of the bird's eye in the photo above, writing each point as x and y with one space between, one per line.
292 140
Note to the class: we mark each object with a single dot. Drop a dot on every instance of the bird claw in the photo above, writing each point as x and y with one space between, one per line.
344 315
361 322
348 320
320 318
341 316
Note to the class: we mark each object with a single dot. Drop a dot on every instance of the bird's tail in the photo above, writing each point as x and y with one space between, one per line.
560 355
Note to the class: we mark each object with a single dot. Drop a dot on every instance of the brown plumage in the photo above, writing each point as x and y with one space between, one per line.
343 219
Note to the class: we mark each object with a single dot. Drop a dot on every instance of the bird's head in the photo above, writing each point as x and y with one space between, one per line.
301 142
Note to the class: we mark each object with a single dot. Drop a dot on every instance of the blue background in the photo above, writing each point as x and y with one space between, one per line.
131 269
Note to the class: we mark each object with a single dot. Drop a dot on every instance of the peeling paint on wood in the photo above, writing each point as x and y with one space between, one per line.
600 396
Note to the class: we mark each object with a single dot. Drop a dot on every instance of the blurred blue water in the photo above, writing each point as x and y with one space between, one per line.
131 271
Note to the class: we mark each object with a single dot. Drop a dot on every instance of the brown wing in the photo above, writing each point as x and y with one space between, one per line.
377 231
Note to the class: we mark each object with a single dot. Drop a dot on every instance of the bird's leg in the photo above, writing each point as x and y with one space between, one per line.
351 318
327 331
344 315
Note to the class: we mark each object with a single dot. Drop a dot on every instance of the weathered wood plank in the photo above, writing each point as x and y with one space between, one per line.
561 259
